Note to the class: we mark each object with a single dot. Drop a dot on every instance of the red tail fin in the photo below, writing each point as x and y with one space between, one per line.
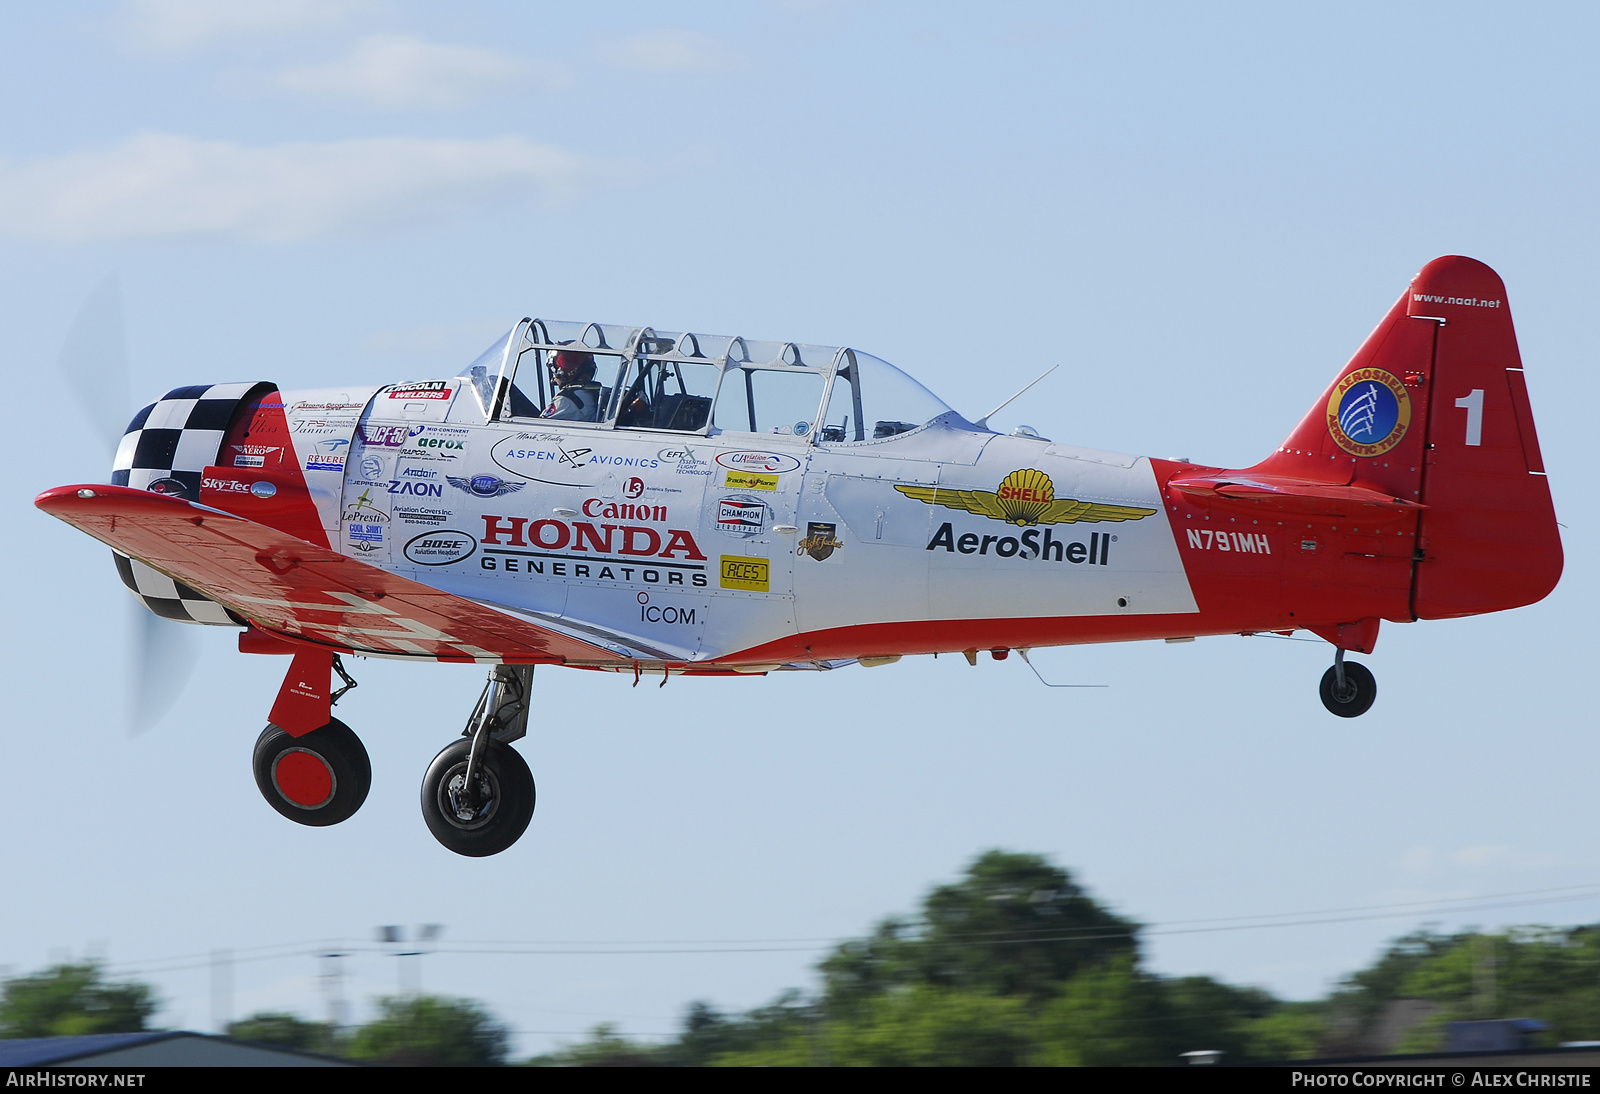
1433 409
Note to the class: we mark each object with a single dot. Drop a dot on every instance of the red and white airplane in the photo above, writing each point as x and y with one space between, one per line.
652 503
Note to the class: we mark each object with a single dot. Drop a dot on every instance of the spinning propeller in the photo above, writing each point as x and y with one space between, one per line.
94 365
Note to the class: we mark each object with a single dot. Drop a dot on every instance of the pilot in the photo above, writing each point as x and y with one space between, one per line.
577 395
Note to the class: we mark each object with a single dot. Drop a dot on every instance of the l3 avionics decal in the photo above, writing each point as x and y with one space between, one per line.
1026 497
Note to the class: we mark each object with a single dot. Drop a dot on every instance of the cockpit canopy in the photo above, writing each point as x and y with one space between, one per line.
695 383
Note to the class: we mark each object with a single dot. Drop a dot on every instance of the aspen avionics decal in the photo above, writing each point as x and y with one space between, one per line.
1026 497
1369 412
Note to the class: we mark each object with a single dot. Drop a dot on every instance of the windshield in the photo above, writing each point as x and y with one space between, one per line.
484 372
871 399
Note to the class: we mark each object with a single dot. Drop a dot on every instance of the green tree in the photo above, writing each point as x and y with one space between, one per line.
286 1030
66 1000
1015 924
431 1031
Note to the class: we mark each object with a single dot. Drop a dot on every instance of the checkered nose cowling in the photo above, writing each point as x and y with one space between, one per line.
167 448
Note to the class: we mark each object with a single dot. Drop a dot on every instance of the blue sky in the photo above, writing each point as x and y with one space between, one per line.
1199 212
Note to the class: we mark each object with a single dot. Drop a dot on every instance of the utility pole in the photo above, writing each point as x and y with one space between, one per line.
221 990
394 938
332 982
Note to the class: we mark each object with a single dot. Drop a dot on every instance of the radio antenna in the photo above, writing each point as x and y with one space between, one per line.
983 422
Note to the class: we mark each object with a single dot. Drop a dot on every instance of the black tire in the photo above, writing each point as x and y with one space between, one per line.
1360 689
318 779
507 796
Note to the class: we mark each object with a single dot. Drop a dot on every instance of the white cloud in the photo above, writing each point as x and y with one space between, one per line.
397 71
176 25
159 184
671 51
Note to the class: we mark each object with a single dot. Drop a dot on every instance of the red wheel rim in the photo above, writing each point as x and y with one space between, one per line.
303 778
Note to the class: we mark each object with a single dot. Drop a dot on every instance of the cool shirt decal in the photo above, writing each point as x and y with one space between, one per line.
1369 412
1026 497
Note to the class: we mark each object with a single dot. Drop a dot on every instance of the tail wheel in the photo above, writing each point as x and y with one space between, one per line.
1355 697
318 779
488 817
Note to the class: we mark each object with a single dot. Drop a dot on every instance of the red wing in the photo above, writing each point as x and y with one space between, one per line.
286 585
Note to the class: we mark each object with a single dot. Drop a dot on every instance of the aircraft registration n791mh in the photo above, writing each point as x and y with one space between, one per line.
651 503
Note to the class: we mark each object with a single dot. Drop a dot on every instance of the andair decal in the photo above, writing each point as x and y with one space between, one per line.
1369 412
1026 497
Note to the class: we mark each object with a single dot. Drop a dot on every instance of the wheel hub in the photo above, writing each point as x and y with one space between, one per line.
469 808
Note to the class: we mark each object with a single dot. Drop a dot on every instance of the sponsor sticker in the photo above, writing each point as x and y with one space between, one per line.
821 540
366 533
741 516
432 389
749 480
775 463
751 574
440 548
484 486
324 462
1026 497
372 468
246 460
381 436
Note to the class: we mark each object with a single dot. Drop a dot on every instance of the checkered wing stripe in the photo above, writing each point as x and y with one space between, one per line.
171 599
177 437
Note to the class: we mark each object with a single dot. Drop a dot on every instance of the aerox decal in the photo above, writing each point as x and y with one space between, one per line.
1026 497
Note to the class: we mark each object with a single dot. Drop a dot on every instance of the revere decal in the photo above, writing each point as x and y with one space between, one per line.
772 463
1027 546
440 548
1026 497
751 574
741 516
1369 412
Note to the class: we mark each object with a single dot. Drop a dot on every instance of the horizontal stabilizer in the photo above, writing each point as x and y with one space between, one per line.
1285 495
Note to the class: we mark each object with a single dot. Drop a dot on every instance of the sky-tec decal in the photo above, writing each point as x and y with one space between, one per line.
1026 497
1369 412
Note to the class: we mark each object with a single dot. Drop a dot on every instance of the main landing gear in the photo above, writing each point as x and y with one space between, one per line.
318 778
1348 689
478 794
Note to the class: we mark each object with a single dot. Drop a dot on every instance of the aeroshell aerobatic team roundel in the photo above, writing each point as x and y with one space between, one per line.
1369 412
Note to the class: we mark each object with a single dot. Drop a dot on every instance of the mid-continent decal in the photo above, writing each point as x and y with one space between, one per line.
1026 498
1369 412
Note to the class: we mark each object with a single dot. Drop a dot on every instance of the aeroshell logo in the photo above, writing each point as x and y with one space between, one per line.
1369 412
773 463
440 548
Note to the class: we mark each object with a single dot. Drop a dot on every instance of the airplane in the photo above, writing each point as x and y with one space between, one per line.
655 503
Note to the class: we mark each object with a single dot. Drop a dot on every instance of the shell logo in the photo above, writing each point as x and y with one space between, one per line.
1025 495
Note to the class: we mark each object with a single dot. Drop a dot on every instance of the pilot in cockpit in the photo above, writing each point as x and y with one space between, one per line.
577 395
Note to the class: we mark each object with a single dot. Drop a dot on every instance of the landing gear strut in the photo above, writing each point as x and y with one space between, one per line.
1348 689
317 778
478 794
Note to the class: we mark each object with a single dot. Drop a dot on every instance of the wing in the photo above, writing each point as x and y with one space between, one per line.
985 503
459 483
1073 511
285 585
